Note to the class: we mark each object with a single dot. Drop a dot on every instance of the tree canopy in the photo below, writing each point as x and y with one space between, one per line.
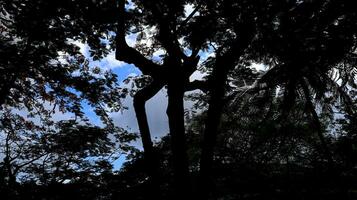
294 115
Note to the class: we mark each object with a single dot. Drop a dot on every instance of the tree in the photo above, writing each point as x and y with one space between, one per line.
307 44
301 42
64 152
42 74
40 61
166 18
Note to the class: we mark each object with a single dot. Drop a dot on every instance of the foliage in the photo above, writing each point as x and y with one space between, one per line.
295 119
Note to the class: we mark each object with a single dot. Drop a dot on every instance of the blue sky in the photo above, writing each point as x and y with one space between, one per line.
156 107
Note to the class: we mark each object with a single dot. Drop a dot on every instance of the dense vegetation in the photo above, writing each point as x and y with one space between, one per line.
287 131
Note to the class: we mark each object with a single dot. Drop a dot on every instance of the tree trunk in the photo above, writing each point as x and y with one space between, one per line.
212 124
317 125
151 159
224 63
175 113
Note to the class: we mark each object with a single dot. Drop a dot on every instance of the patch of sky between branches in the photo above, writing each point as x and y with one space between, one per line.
156 107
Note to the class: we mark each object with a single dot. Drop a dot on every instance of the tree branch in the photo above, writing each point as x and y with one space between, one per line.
151 160
317 124
128 54
167 35
29 162
189 17
140 99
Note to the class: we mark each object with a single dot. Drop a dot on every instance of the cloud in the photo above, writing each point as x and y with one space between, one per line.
130 5
131 39
83 47
197 75
107 63
258 66
56 116
156 114
189 9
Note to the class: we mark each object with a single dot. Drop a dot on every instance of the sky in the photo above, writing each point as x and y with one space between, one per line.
155 107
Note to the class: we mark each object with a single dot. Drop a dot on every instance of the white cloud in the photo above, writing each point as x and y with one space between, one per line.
131 39
189 8
130 5
258 66
156 113
159 53
83 47
197 75
107 63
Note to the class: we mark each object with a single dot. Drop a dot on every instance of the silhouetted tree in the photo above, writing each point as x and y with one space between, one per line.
43 73
307 47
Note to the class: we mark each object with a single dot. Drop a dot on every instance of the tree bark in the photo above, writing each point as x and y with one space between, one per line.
224 63
175 113
151 159
212 124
